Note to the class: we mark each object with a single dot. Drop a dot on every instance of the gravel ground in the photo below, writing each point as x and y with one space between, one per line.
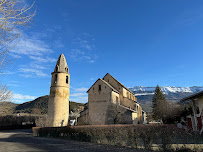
22 140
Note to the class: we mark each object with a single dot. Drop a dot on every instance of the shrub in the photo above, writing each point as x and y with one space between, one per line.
16 122
121 135
43 121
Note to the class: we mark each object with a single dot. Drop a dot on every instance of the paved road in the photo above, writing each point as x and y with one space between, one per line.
22 140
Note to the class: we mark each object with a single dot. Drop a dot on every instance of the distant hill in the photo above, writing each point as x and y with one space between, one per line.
144 96
7 108
40 105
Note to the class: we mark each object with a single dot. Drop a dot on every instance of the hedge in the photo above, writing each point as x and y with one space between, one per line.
16 122
121 135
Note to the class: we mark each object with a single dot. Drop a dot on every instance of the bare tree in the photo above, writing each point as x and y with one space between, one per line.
5 94
15 15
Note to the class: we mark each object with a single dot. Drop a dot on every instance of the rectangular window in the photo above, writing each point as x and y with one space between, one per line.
99 87
55 79
67 79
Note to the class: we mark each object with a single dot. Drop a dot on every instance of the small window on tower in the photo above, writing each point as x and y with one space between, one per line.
99 87
55 80
67 79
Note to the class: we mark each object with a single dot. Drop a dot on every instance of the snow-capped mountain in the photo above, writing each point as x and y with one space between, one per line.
140 90
144 94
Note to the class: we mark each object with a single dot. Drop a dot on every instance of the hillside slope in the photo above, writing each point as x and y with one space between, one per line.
7 108
144 96
40 106
36 106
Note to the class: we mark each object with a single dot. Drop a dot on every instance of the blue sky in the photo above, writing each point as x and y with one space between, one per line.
140 43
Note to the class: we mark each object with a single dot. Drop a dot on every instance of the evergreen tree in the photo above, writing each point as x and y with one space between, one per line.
159 104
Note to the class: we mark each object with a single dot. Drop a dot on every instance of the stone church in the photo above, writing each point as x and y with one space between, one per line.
110 102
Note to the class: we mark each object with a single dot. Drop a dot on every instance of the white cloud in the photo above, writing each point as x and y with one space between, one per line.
20 98
58 44
83 48
42 59
76 53
77 94
80 99
17 96
35 48
6 72
91 61
15 55
81 89
28 72
13 83
36 66
26 75
92 79
28 46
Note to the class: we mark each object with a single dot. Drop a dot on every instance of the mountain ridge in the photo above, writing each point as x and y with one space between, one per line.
165 89
144 95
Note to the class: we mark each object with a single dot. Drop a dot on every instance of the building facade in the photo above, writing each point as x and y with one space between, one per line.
195 120
58 104
110 102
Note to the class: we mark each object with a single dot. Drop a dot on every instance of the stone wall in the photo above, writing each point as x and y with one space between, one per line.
118 115
98 101
58 104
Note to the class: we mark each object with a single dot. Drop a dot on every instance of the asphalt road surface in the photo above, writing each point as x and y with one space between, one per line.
22 140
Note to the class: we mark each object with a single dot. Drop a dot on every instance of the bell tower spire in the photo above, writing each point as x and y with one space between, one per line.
58 106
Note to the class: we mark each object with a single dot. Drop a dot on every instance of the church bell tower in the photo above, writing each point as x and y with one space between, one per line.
58 105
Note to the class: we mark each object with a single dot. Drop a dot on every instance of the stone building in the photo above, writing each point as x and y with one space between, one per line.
110 102
58 105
